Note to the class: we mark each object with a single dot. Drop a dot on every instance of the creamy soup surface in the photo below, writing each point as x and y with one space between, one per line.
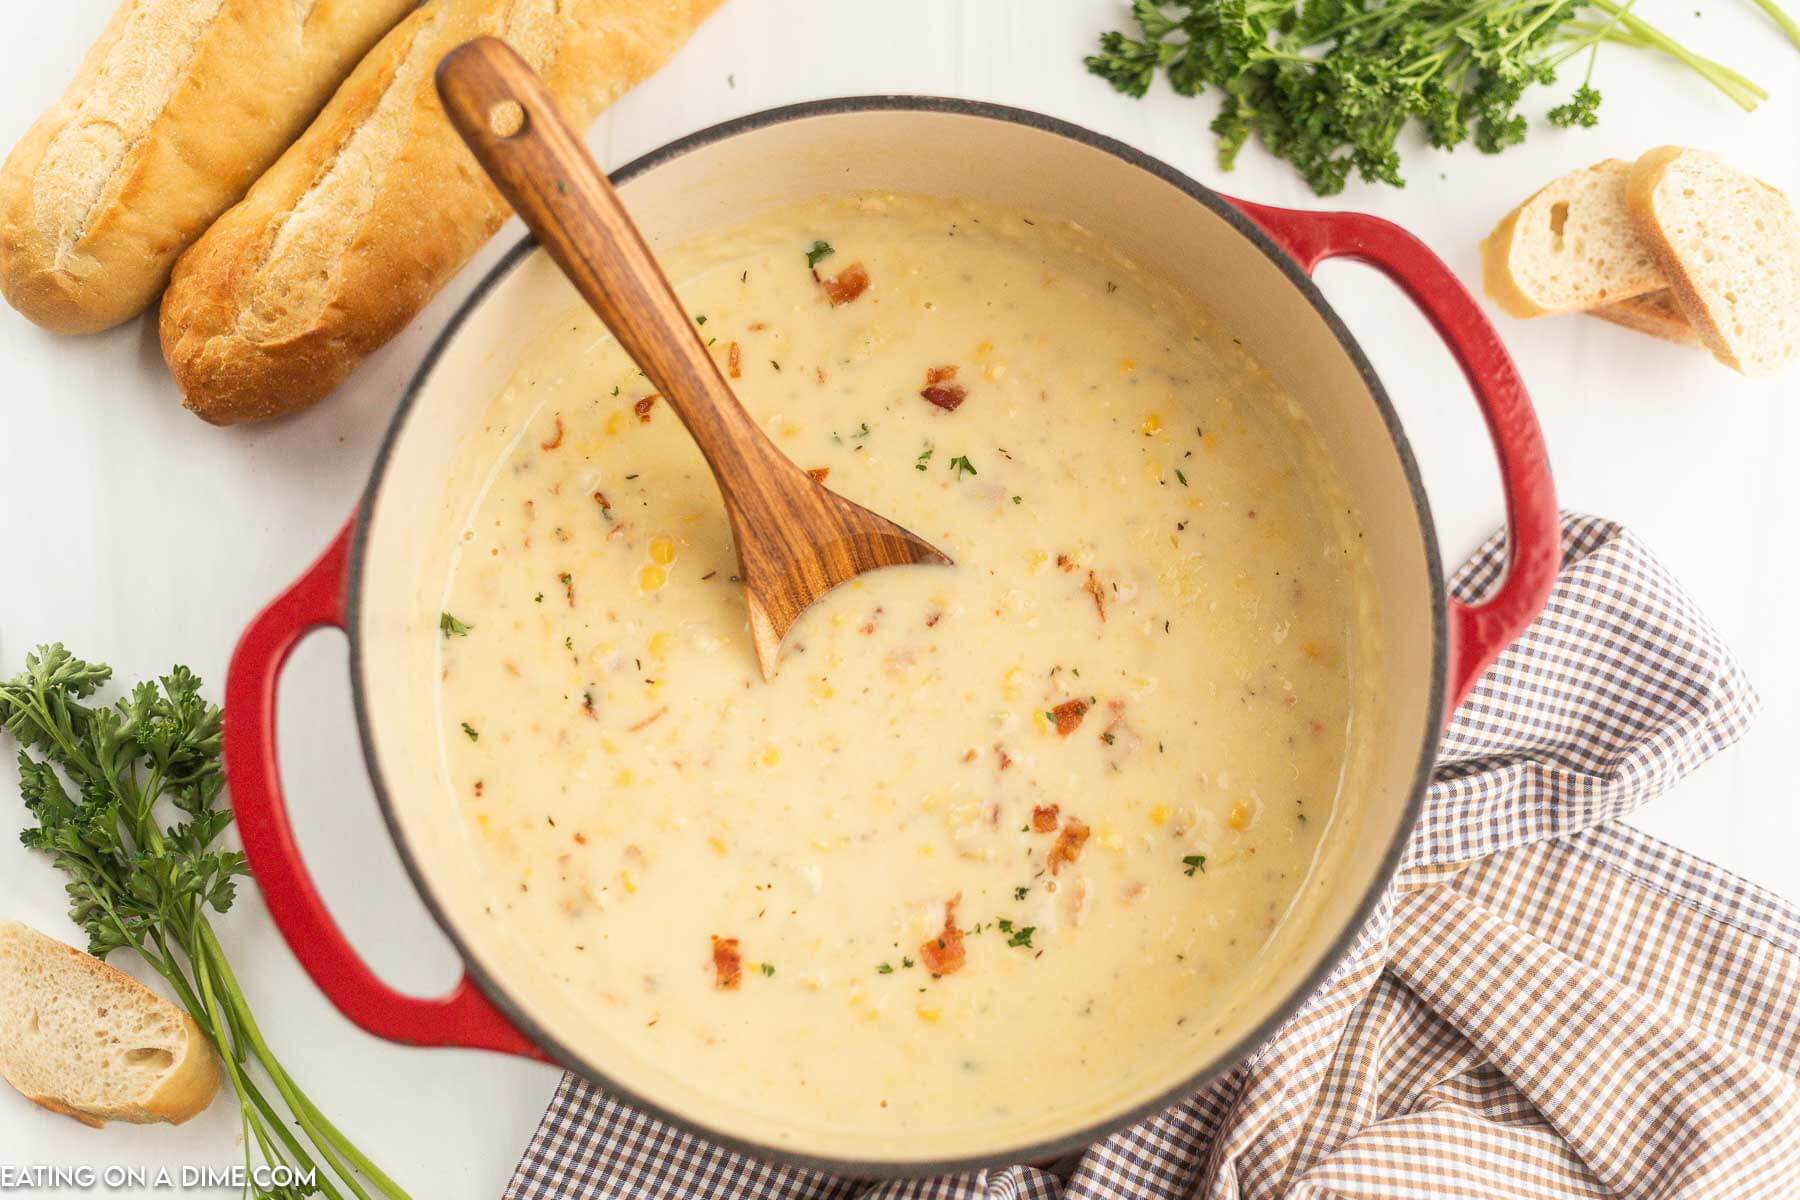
996 835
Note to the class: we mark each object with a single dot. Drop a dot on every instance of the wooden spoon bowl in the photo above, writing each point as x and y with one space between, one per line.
796 539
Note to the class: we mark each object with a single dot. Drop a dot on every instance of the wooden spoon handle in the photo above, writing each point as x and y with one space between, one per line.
540 164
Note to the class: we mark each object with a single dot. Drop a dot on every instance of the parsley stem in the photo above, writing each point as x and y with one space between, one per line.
1779 15
1740 91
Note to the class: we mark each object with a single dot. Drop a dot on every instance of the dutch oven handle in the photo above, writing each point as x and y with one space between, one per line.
462 1018
1478 632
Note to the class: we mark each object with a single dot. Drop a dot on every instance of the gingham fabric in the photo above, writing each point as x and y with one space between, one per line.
1545 1004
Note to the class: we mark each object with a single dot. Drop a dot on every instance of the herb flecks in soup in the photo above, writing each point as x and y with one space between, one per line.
997 834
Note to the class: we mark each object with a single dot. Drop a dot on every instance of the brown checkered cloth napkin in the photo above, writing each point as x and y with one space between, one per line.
1546 1003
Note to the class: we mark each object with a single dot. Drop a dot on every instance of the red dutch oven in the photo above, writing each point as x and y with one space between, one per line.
1249 264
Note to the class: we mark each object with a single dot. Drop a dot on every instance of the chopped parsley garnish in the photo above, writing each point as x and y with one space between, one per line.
962 466
863 432
470 730
699 318
885 969
1019 893
767 968
906 962
1107 738
1018 500
1181 477
919 463
1194 862
1022 936
775 364
538 599
452 627
821 249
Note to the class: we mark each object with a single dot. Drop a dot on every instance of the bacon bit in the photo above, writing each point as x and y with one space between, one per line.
846 285
933 618
479 785
1005 758
556 441
947 396
587 706
1077 901
618 531
1068 715
530 509
642 407
580 838
944 954
1044 817
647 721
1092 588
819 374
969 755
512 668
1134 889
1065 562
939 374
757 326
819 474
603 502
734 360
1067 847
728 965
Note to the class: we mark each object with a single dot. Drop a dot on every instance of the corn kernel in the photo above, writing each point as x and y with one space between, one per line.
771 756
662 550
717 844
1209 441
930 1016
630 883
821 687
1009 683
1310 649
1240 816
623 778
652 578
1039 721
1159 815
614 424
659 645
985 347
1110 839
1152 425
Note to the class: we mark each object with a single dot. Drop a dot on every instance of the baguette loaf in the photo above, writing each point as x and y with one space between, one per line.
176 110
1572 246
365 217
1656 313
1730 246
80 1038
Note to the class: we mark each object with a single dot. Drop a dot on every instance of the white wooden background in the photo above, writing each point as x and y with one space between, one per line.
140 536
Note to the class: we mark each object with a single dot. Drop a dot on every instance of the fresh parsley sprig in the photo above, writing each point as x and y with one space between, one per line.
1330 84
126 802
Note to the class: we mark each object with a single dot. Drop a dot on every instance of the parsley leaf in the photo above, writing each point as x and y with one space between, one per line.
1194 862
451 627
821 250
962 466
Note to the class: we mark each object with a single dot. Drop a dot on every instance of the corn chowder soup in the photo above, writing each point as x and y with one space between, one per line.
996 833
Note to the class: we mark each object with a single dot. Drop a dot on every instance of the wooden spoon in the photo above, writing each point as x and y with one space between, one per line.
795 540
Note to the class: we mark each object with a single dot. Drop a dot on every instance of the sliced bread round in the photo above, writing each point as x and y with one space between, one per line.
1572 246
81 1038
1730 246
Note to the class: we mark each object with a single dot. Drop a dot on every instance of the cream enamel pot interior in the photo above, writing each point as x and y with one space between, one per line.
1245 262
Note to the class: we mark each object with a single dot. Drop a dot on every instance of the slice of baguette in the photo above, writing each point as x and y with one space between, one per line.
175 111
1572 246
1658 314
373 210
1730 247
80 1038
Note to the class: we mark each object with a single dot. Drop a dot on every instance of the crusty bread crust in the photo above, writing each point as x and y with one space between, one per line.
1758 349
1658 314
175 111
185 1089
378 204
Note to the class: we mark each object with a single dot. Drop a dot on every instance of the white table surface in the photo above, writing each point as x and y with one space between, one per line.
142 537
